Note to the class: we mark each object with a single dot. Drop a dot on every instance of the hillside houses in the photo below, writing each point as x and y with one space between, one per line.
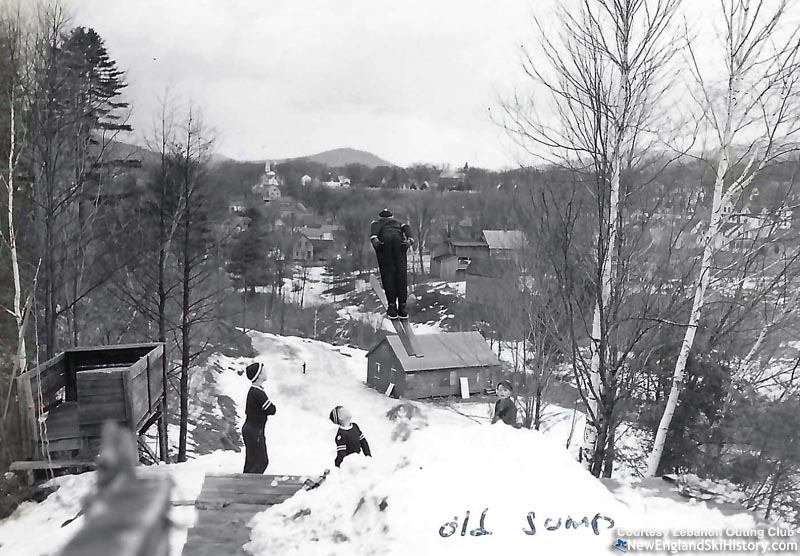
450 259
337 182
268 187
314 245
454 180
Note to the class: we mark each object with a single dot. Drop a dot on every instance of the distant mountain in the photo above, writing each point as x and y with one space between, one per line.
127 151
342 157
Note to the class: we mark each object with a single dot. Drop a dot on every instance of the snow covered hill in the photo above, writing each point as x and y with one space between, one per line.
412 497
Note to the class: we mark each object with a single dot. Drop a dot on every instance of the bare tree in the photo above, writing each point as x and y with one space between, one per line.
602 80
13 34
750 107
422 210
189 158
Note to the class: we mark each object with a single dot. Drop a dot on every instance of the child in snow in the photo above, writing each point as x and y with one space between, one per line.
391 239
349 438
257 408
505 410
407 417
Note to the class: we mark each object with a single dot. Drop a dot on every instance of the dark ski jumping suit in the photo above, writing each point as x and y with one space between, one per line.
257 408
391 250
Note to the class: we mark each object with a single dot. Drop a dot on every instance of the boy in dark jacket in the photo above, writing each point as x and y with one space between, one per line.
349 438
391 239
505 410
257 408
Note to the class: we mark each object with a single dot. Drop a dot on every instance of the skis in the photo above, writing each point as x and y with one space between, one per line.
311 484
401 326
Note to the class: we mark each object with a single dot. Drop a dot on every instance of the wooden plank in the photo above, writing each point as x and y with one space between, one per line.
28 420
64 444
62 421
199 548
46 366
212 477
55 464
223 499
100 356
227 503
229 516
155 380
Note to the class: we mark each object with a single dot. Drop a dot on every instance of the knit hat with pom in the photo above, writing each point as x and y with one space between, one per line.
254 370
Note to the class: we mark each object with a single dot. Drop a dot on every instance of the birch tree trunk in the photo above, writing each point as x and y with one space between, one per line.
22 361
762 81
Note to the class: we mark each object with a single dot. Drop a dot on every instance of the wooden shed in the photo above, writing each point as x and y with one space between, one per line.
63 402
446 359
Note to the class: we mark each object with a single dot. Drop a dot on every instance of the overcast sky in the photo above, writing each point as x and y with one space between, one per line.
408 80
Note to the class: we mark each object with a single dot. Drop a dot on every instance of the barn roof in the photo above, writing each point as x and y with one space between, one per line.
447 350
504 239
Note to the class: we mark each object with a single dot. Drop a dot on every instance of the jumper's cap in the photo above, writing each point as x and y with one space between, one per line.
504 383
334 415
254 370
385 213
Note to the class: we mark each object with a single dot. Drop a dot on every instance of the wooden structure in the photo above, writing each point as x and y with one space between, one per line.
446 359
76 391
225 507
449 260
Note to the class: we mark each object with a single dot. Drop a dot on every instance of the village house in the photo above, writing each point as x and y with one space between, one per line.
447 358
268 187
289 213
450 259
237 206
454 180
504 244
337 182
314 244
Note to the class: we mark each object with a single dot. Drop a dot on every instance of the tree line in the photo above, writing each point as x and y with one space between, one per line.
101 243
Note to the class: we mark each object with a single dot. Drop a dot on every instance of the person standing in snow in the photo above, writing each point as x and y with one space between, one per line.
257 408
391 239
349 438
505 410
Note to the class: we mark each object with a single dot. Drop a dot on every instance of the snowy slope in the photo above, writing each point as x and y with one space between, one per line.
402 500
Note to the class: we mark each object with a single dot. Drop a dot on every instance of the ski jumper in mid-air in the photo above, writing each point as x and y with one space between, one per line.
391 239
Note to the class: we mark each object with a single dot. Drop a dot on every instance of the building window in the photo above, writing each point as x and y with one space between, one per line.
377 369
453 378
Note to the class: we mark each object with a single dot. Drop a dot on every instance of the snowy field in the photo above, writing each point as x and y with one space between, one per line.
412 497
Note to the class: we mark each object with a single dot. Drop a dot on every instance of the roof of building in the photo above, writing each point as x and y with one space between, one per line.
317 234
504 239
466 243
447 350
492 268
456 174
